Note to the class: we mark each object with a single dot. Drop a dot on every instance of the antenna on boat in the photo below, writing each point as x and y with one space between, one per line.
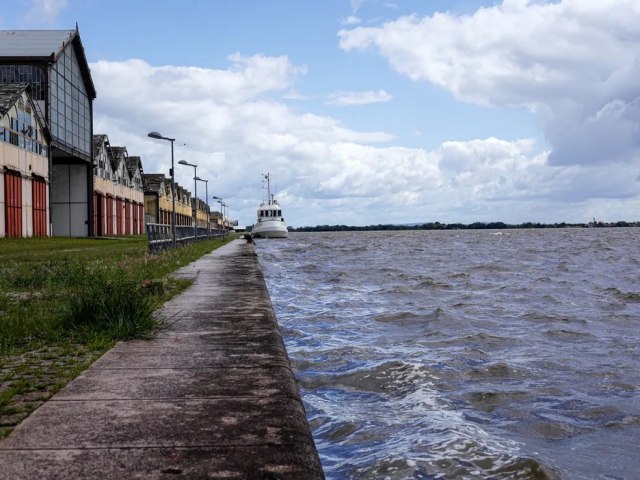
266 177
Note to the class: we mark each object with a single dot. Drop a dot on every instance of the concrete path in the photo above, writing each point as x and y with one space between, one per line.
212 397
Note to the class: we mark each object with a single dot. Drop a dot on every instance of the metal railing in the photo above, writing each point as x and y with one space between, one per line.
159 235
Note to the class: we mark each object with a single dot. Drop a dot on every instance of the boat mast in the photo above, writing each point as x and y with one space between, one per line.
266 176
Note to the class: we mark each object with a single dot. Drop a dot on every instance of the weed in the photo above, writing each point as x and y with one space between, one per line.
111 303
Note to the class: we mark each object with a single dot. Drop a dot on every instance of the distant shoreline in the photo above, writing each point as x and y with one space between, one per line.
462 226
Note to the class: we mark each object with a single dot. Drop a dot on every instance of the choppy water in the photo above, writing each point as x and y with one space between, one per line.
465 354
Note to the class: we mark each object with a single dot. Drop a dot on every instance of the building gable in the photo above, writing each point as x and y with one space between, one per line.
44 46
134 168
54 62
119 157
102 157
154 183
20 122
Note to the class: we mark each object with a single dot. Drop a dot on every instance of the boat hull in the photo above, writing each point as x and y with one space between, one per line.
270 229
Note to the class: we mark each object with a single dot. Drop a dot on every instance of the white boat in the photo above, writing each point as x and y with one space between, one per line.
270 223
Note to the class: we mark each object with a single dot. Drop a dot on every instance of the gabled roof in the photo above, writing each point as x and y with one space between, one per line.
34 43
133 164
9 94
99 139
29 46
118 156
152 182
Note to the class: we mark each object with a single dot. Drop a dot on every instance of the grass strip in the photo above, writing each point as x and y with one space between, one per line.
64 302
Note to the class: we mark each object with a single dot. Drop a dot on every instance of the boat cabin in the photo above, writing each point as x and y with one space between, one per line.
271 211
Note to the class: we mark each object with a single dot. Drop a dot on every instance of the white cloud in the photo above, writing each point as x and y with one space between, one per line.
351 20
574 63
45 12
295 95
235 128
359 98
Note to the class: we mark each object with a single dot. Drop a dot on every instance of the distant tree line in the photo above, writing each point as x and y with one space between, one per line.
461 226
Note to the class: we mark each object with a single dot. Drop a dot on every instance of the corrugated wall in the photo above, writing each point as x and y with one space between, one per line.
13 204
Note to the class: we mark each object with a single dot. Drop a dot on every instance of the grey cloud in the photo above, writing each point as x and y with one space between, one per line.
573 63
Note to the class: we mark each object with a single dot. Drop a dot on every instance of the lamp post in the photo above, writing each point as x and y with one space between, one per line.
220 200
206 200
195 197
225 217
221 212
158 136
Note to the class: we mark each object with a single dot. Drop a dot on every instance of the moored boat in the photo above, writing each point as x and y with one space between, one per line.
270 223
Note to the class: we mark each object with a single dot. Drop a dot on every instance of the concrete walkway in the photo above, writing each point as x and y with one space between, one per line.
212 397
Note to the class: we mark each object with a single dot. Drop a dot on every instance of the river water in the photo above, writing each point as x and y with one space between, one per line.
465 354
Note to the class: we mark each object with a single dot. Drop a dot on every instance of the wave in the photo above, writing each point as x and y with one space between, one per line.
464 356
410 318
395 378
622 295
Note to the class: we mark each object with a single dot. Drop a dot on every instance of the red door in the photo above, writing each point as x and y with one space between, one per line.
98 215
127 217
134 222
103 215
39 188
109 215
13 203
118 216
96 199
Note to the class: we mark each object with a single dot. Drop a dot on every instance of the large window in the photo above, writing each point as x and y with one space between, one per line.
26 73
23 131
70 112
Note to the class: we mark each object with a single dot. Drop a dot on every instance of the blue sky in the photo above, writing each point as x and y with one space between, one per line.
374 111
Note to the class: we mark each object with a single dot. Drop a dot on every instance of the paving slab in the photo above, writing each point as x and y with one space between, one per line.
212 396
158 383
163 423
194 463
190 359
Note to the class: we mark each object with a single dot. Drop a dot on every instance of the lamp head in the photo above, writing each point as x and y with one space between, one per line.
184 162
159 136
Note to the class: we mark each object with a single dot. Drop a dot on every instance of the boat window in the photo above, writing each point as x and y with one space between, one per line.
279 213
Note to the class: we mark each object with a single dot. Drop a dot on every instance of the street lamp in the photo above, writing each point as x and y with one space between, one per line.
158 136
225 217
221 212
206 200
213 197
195 196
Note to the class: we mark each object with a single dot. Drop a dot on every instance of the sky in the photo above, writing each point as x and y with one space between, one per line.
373 111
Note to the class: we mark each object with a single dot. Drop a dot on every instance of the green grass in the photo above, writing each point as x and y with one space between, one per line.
64 302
